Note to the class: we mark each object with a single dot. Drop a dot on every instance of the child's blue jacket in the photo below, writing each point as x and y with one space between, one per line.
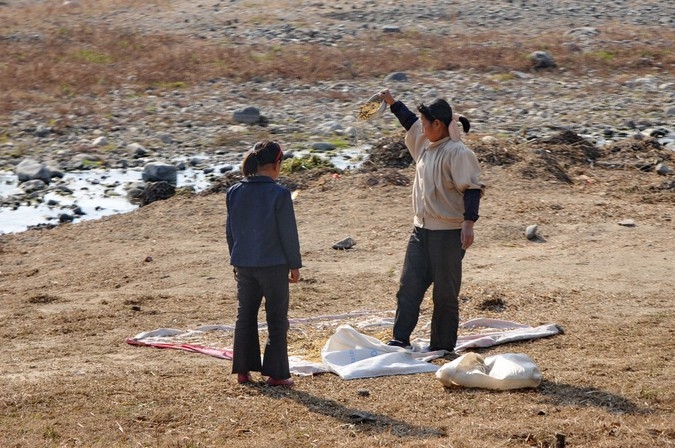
260 227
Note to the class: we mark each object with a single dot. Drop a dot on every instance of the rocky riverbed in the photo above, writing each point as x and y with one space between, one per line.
203 130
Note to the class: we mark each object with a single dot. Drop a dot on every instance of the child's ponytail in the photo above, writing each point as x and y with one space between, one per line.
465 123
263 153
250 164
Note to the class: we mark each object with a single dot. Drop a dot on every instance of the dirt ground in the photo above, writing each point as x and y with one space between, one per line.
70 297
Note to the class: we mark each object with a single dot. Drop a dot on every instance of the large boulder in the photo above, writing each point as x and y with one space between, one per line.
542 59
30 169
247 115
159 171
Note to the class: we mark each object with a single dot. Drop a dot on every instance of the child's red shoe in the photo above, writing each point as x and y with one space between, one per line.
283 383
243 378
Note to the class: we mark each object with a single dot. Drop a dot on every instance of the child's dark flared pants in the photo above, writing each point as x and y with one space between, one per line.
252 285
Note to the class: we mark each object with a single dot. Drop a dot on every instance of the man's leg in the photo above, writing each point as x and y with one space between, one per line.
445 253
415 280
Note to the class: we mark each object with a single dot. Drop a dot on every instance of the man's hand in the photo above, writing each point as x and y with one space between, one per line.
295 276
467 234
387 97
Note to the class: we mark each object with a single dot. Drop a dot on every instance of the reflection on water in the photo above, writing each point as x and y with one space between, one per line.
97 193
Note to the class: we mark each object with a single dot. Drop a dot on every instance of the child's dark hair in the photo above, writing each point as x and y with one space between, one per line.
263 153
439 109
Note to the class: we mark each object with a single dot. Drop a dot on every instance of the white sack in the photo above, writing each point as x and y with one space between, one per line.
502 372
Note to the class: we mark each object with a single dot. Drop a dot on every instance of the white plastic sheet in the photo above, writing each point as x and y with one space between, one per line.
351 355
512 331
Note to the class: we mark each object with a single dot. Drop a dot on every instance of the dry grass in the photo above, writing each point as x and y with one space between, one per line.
56 58
70 380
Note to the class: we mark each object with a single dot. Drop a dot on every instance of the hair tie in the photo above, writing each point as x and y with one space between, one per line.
453 129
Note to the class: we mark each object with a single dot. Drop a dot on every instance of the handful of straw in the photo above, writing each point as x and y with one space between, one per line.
369 110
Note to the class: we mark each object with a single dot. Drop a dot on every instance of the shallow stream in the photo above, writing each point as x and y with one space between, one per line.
100 193
97 193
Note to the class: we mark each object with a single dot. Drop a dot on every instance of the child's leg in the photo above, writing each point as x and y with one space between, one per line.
276 291
246 356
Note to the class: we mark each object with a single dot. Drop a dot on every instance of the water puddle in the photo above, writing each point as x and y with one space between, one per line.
100 193
97 193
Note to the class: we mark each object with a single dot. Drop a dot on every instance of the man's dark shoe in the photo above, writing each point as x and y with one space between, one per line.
449 354
396 343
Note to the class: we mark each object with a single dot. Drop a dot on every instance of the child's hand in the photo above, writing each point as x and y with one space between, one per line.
295 276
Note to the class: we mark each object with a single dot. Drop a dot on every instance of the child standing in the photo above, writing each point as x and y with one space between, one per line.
262 239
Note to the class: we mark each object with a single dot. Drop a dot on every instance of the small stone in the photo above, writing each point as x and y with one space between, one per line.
397 76
627 223
489 139
347 243
247 115
363 393
323 146
137 150
664 169
100 141
542 59
165 138
65 217
531 232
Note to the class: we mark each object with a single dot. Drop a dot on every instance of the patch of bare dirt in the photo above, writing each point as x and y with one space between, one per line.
72 295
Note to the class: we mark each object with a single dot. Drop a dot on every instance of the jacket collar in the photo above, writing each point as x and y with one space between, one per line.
438 142
257 179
